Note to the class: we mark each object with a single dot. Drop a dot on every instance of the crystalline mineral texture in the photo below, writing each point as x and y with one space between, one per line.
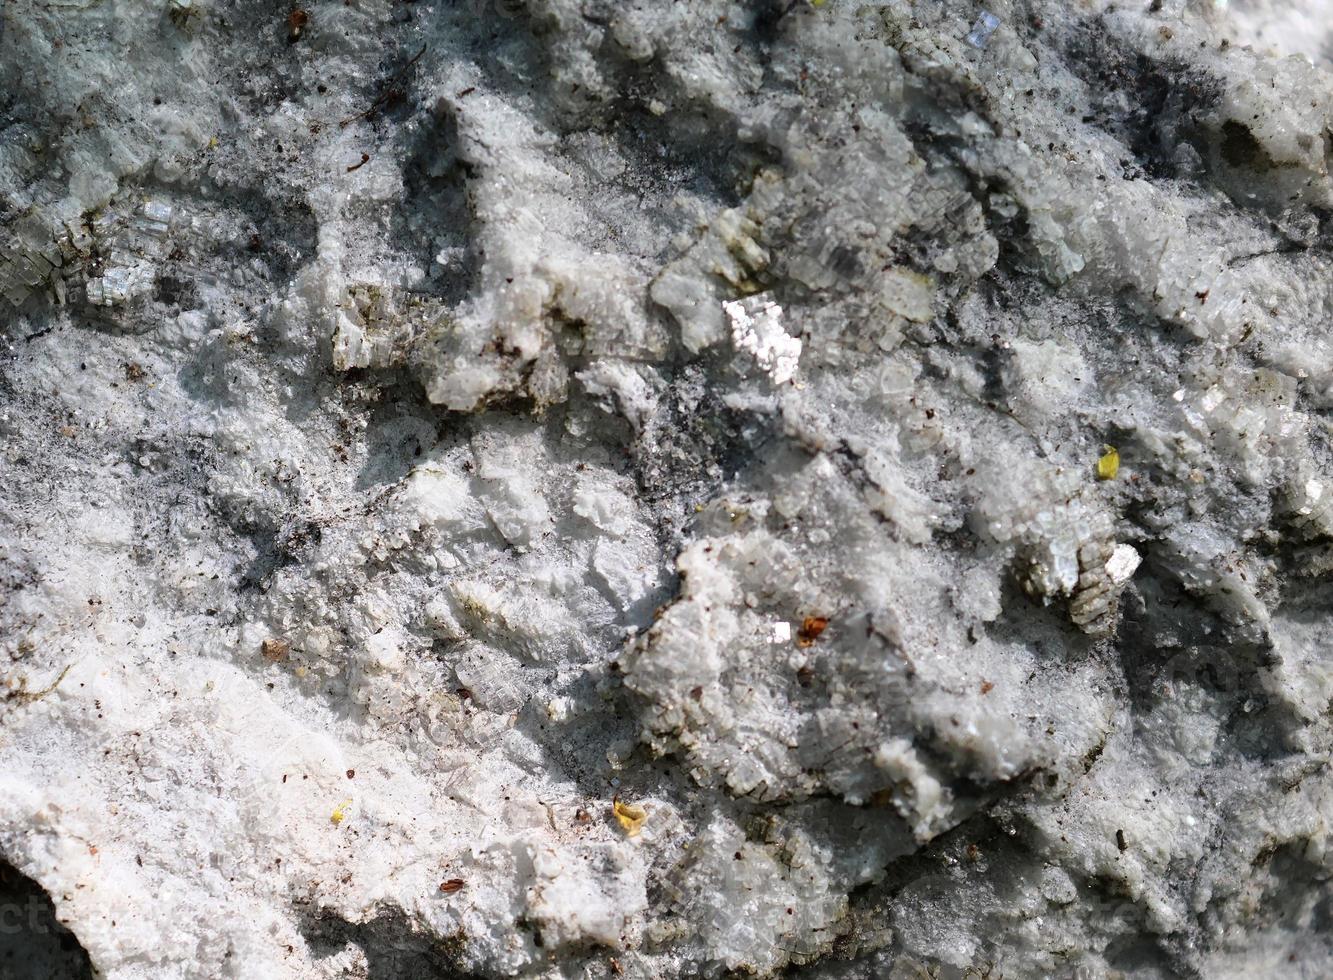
573 488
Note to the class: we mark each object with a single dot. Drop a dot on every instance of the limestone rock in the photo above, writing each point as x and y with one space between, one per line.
432 432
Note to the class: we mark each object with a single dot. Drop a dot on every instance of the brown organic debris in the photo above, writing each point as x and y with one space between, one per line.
394 93
275 650
811 628
296 24
25 695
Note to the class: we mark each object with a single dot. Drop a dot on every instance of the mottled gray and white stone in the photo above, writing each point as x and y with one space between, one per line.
594 488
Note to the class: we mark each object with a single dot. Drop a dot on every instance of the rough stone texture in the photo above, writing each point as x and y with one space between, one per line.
574 488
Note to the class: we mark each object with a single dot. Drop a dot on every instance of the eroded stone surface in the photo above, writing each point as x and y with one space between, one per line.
427 425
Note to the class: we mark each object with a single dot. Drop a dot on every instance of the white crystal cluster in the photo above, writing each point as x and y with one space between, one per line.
599 488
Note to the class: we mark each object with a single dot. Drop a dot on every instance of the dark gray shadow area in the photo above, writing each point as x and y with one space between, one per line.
392 949
33 945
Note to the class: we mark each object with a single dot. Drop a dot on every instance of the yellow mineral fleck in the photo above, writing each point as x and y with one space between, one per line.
630 815
1109 464
340 812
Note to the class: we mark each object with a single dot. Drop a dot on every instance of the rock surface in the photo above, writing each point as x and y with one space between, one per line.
590 488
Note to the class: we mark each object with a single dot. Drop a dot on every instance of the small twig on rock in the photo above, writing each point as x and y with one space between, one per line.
38 695
393 93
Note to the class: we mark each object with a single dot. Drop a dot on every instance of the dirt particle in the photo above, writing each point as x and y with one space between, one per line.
811 628
297 21
275 650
